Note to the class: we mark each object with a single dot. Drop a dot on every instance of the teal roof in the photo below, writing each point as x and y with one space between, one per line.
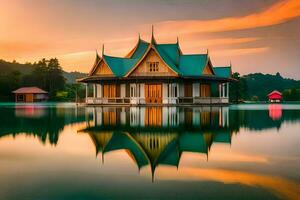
170 54
140 50
120 66
223 72
169 50
192 65
184 65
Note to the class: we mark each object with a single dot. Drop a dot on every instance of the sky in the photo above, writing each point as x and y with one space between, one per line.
255 36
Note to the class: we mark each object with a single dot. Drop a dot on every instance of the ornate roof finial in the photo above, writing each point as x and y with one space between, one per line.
230 64
102 50
97 55
139 36
207 51
177 40
152 36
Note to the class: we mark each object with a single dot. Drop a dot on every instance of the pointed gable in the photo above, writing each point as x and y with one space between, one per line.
208 69
142 68
102 69
96 62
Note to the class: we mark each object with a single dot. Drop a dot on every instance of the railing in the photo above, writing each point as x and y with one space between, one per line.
168 100
117 100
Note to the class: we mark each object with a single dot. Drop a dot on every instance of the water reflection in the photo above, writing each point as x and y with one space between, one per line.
167 142
275 111
46 123
153 136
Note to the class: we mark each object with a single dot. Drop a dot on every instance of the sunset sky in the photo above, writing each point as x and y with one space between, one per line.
256 36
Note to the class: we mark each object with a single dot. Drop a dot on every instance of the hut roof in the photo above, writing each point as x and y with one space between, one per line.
29 90
274 92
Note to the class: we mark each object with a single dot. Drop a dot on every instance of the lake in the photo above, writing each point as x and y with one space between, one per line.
61 151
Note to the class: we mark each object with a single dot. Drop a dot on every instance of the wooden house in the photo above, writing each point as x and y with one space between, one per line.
153 73
30 94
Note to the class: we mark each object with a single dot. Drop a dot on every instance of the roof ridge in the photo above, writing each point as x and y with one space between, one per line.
119 57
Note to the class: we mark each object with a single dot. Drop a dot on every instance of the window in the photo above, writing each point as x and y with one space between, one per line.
20 97
133 90
153 66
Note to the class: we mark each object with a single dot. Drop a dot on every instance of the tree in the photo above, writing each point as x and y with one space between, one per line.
238 88
55 77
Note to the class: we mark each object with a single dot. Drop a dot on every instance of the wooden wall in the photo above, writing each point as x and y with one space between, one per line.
143 69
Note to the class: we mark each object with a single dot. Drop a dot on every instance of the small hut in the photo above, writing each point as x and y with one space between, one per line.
275 96
30 94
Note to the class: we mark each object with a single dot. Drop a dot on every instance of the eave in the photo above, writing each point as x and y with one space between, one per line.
91 79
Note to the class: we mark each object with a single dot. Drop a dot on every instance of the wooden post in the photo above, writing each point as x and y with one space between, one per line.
86 92
227 89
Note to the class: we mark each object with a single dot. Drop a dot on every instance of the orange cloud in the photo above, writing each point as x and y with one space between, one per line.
280 186
278 13
240 52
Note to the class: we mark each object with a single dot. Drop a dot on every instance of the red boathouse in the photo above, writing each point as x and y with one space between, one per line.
30 94
275 96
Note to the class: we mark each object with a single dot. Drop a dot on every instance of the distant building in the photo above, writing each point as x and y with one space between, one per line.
30 94
275 96
155 73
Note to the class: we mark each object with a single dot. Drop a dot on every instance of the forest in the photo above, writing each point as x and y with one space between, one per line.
62 86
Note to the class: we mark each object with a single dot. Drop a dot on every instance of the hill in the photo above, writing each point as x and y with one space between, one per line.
8 67
260 85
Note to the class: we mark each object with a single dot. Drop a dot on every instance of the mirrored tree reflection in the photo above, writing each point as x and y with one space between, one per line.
46 123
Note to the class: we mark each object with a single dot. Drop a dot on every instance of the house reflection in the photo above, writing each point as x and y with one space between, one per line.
158 135
275 111
161 116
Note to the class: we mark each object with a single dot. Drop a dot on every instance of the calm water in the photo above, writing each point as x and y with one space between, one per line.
60 151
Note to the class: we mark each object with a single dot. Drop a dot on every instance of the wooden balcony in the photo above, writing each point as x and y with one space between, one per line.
165 101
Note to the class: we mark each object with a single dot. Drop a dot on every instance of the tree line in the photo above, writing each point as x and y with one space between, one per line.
256 87
45 74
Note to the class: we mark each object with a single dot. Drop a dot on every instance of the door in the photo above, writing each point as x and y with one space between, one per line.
205 90
153 93
111 90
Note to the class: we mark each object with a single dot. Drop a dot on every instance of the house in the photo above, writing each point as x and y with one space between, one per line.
275 96
153 73
30 94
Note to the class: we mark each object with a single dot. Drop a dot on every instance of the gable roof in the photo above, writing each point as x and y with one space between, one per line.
181 64
170 55
223 72
140 50
29 90
192 65
120 66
